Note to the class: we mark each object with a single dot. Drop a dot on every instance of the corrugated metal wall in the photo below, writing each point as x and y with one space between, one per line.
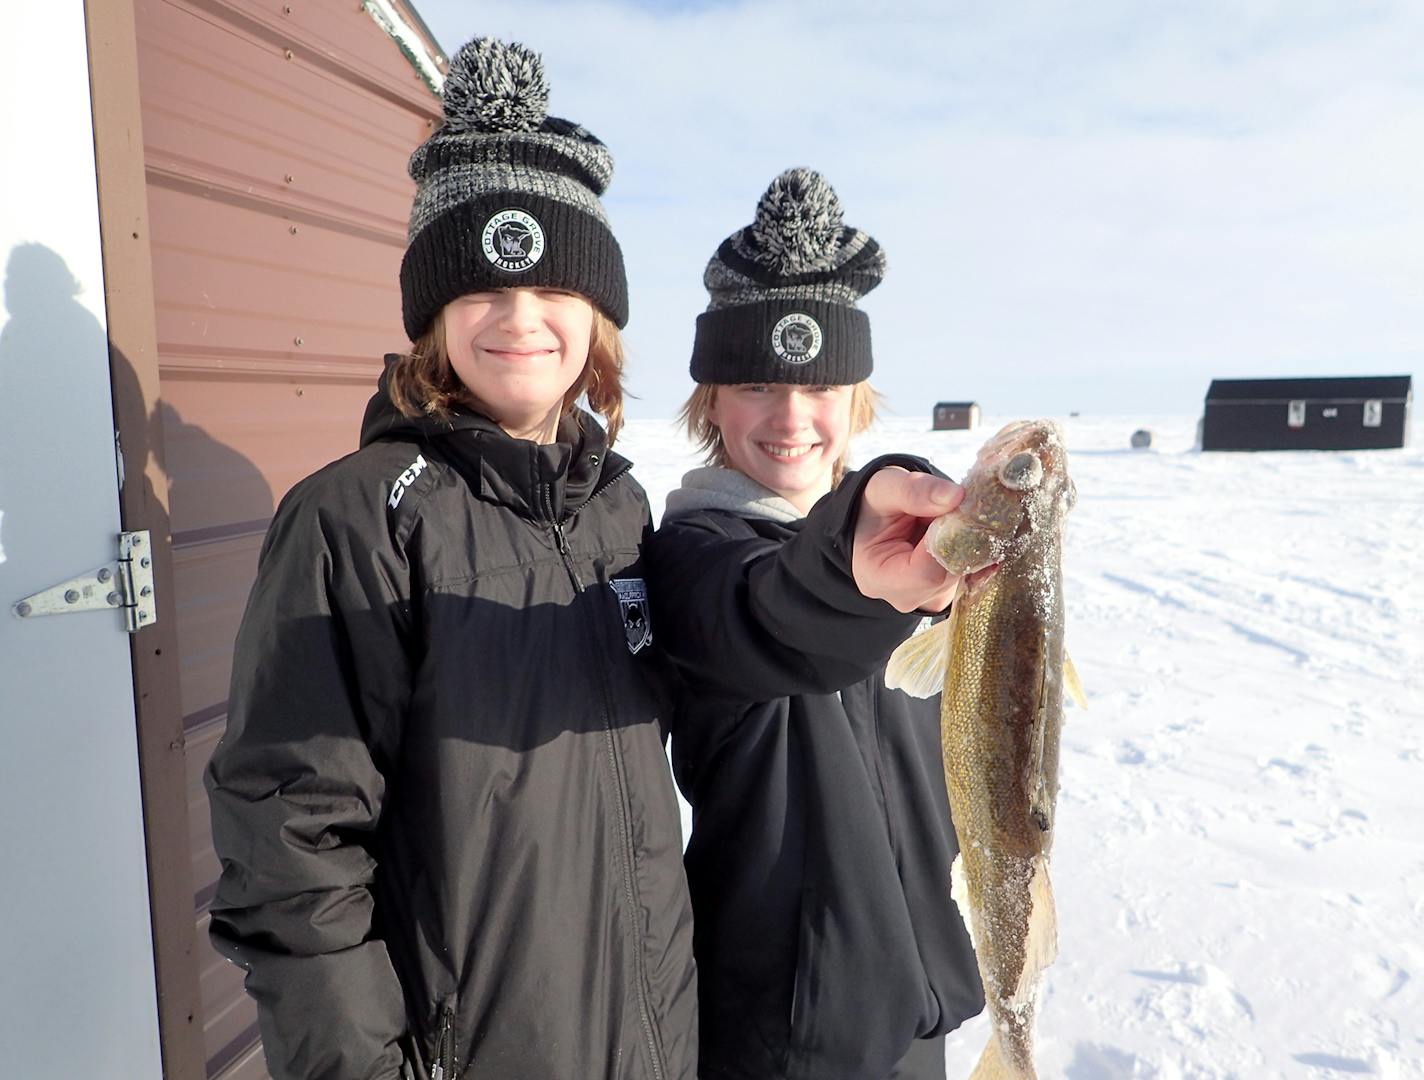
275 143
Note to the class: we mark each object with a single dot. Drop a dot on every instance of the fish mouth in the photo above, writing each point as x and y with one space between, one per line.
1025 527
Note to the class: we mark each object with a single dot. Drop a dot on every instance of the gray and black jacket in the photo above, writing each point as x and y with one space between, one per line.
449 838
825 936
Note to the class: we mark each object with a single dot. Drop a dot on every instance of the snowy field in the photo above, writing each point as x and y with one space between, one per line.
1240 853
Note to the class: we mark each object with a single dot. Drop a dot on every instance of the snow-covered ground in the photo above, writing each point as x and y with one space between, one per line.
1240 854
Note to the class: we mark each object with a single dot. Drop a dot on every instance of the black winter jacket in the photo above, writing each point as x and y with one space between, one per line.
825 935
449 837
442 803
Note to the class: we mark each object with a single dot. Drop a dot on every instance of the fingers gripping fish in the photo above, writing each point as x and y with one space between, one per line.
998 660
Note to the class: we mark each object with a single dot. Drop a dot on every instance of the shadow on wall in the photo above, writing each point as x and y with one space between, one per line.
46 320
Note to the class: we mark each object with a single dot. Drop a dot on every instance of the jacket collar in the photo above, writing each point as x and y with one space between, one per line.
544 482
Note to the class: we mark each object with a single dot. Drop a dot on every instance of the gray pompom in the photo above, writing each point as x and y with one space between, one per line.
495 86
798 223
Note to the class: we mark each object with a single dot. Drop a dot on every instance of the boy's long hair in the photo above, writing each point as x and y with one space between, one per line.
864 401
424 383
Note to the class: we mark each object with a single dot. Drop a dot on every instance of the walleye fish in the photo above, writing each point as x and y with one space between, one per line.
999 661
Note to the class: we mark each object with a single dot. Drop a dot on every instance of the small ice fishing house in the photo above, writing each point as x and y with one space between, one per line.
956 416
1354 413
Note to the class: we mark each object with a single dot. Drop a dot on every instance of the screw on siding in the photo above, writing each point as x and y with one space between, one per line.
289 178
300 392
293 230
23 610
286 9
289 54
104 574
71 596
296 341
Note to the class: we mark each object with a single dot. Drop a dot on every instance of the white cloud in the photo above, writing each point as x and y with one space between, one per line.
1097 205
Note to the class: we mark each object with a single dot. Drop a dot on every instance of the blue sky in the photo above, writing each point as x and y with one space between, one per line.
1092 206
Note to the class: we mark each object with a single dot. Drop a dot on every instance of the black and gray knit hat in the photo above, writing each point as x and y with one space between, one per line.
784 290
506 194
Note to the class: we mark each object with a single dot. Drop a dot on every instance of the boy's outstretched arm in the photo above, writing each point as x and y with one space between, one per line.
758 618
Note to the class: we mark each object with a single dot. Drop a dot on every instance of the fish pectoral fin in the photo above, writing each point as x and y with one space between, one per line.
1072 683
917 666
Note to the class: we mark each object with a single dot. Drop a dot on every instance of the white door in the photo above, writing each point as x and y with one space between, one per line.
77 995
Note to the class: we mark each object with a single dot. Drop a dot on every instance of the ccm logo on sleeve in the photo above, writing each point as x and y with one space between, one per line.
404 480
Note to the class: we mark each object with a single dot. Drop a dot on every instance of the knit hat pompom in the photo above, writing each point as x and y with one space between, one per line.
782 293
495 86
506 195
798 223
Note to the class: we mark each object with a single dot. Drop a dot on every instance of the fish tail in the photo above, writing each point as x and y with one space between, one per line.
996 1064
1009 1052
1041 945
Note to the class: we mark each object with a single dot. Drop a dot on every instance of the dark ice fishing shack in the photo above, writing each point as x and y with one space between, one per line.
956 416
1352 413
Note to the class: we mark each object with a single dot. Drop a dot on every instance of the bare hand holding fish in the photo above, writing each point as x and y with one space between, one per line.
1000 664
890 561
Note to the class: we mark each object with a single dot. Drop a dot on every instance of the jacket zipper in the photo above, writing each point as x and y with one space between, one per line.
563 544
873 689
443 1067
624 806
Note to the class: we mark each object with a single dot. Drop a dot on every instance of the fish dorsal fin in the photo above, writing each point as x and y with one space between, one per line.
1072 683
917 666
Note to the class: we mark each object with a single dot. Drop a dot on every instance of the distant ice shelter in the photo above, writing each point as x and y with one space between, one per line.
956 416
1355 413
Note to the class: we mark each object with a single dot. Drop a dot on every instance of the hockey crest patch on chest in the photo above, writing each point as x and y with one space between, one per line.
632 596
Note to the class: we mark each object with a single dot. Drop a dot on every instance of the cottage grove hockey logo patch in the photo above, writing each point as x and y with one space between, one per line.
513 241
633 604
797 338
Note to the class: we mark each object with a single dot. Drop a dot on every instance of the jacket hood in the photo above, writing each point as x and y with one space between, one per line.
545 482
716 488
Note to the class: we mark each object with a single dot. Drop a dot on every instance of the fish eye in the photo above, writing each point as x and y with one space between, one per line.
1021 472
1070 495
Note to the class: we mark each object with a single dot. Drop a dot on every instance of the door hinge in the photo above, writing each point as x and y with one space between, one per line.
125 584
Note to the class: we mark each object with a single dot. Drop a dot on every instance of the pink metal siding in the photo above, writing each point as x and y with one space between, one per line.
275 143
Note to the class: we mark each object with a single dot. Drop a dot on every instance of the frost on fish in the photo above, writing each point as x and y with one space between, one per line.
999 664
